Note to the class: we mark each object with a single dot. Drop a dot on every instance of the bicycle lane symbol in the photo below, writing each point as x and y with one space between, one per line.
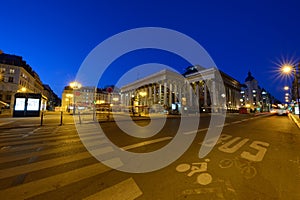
200 168
244 166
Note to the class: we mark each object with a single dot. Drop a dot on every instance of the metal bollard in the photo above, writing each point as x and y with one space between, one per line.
42 117
61 118
79 117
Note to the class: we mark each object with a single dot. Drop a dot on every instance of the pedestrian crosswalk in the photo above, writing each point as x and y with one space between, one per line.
37 162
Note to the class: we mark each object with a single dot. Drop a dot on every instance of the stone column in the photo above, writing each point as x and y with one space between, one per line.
190 89
150 97
170 94
154 93
165 93
175 92
159 94
197 94
205 94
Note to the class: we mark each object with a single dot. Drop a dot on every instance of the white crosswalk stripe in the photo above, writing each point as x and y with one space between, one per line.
26 161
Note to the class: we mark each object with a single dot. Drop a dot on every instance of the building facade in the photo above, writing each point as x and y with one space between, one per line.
255 98
53 99
16 76
197 90
88 98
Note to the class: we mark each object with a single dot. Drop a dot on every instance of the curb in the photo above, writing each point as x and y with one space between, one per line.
295 120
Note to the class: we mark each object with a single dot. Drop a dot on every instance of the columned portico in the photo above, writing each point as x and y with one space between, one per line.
198 90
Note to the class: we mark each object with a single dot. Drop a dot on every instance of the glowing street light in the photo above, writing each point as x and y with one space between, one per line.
288 69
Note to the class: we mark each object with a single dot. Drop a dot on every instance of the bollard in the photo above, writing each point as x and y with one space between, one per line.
61 118
79 117
42 117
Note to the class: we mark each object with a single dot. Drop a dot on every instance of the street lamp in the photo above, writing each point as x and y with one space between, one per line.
286 88
288 69
75 85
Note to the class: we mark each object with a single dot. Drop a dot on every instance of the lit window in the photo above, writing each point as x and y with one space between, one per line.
254 91
242 92
11 71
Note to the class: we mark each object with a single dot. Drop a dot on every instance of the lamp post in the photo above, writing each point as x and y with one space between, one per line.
289 69
74 85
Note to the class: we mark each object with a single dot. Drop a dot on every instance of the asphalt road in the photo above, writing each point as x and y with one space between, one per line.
256 157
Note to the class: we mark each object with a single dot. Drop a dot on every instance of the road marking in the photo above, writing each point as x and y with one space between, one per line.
226 147
294 119
222 125
261 151
203 129
5 123
13 171
33 146
146 143
48 184
127 189
19 141
48 151
236 122
192 132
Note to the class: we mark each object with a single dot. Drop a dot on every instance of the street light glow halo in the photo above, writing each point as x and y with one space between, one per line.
287 68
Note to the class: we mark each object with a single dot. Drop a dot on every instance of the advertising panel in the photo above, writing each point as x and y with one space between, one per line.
33 104
20 104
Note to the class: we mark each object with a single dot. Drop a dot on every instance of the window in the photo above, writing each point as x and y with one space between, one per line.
11 71
1 97
10 79
8 97
24 76
2 70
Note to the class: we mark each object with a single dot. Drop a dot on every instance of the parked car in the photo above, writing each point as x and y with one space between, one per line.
282 111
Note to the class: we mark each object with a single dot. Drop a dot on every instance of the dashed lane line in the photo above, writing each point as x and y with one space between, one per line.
236 122
146 143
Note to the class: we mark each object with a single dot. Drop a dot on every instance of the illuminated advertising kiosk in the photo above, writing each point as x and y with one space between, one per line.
27 105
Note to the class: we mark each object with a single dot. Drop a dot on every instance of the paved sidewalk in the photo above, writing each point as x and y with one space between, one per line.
295 118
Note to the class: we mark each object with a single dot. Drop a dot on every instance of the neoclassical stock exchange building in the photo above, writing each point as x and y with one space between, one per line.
197 90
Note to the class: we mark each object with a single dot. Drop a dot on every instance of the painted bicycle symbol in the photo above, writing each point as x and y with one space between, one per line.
244 166
203 178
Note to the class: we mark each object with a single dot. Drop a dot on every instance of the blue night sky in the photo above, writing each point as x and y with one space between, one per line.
54 37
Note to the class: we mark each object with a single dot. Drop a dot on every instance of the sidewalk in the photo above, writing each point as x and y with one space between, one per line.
295 118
